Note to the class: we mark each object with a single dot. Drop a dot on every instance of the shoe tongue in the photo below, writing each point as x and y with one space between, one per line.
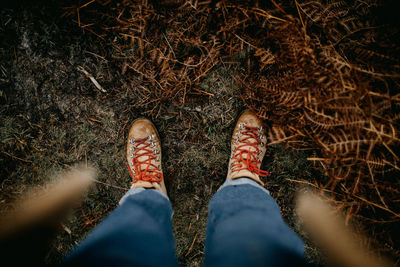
250 140
145 159
249 149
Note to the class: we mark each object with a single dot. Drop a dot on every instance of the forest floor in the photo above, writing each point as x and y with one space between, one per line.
53 117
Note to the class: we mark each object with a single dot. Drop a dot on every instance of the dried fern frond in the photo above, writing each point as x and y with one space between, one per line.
325 74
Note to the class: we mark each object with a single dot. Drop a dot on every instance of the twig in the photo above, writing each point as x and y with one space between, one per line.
244 41
79 17
91 53
110 185
66 229
377 205
394 98
191 246
317 159
95 120
88 3
275 4
204 92
301 18
172 50
15 54
14 157
263 13
90 76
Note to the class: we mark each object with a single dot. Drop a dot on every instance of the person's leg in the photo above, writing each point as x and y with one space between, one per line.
137 233
245 228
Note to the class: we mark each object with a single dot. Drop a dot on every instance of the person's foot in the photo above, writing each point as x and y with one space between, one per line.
247 148
144 156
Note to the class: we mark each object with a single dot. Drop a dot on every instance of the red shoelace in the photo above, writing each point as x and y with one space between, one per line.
144 170
251 161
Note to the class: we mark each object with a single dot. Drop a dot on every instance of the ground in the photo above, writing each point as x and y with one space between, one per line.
53 117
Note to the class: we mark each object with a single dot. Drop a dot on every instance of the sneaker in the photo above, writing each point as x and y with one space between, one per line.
144 156
247 148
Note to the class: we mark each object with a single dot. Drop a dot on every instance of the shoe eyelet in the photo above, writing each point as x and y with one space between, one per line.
132 140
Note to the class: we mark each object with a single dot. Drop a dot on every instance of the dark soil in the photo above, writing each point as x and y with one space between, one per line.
53 117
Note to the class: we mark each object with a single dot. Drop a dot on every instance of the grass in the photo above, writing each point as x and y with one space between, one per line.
53 117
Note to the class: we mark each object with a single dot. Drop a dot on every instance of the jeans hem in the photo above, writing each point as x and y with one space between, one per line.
138 190
241 181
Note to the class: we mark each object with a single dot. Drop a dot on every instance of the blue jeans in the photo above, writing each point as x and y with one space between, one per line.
245 228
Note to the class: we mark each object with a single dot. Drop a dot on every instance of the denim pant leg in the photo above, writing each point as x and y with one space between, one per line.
245 228
137 233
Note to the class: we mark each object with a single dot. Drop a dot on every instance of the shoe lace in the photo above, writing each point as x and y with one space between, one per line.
144 170
246 158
